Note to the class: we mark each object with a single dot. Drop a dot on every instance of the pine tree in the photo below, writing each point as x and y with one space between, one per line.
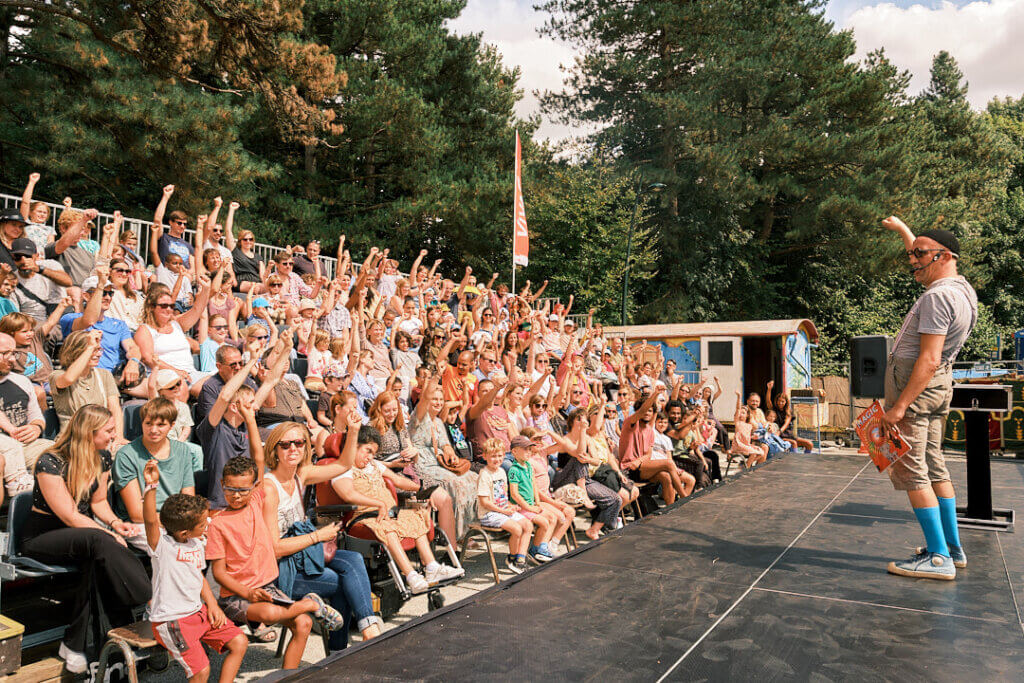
771 140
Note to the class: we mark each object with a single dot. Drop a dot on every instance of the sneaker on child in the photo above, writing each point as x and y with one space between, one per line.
417 584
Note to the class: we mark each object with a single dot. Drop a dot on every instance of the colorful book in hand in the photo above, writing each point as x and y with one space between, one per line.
884 449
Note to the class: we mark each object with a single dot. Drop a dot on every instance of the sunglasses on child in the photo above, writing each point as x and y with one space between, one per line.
237 490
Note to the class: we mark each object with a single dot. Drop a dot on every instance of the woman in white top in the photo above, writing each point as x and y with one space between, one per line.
127 303
343 582
161 337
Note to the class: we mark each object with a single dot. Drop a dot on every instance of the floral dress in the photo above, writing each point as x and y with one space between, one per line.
369 481
429 437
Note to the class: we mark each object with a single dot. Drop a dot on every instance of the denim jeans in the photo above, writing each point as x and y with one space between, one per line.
345 585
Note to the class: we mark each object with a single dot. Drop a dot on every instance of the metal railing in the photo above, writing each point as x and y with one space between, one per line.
143 230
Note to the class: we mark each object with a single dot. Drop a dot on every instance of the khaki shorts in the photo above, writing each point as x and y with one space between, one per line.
922 426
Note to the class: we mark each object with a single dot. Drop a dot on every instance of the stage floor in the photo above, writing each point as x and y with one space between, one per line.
778 575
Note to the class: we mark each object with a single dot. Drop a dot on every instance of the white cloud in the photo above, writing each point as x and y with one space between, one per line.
511 26
984 38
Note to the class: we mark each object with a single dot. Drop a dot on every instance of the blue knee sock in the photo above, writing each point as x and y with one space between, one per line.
931 524
947 510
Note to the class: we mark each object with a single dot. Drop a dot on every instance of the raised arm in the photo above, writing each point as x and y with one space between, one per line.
190 317
26 197
74 232
227 392
277 371
229 226
151 475
78 367
645 406
483 403
900 228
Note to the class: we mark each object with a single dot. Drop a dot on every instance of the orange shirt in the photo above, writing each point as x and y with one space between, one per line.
453 385
241 539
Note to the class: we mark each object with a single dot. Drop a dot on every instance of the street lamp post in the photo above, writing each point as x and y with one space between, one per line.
653 187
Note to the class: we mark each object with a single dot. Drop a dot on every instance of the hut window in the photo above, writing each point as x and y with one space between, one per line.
719 353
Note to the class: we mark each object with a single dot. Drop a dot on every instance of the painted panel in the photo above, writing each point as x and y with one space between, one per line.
798 360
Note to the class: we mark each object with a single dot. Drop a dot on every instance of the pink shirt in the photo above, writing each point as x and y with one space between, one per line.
635 441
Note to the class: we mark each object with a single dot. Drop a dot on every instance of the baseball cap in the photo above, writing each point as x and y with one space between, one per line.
23 247
570 321
12 216
90 283
307 303
552 317
166 377
520 442
260 302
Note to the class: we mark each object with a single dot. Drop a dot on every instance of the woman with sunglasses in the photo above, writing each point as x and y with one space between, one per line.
161 338
82 383
71 523
341 580
249 270
127 302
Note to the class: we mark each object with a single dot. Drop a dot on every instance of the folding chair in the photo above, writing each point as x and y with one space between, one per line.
484 532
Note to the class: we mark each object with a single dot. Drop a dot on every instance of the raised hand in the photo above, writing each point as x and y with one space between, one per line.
217 201
66 202
168 190
151 473
233 206
33 178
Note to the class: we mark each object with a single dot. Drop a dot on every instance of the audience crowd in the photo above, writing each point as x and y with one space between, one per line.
199 388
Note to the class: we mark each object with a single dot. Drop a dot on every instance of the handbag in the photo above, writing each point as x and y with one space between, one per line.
330 548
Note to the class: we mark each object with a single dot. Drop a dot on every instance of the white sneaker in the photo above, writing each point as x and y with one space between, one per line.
75 662
555 549
443 572
417 584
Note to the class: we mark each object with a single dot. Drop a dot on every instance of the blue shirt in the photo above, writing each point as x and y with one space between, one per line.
115 333
208 355
169 244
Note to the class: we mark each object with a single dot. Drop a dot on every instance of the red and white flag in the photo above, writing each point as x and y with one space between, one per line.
520 236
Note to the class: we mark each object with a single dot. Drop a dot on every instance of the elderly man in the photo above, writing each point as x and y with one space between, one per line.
229 362
41 282
918 390
459 378
21 424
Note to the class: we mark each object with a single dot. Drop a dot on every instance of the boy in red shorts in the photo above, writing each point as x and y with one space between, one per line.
184 611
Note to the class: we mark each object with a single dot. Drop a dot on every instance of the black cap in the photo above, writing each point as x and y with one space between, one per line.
23 247
943 237
12 216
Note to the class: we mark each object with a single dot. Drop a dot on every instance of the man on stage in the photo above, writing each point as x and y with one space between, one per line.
918 389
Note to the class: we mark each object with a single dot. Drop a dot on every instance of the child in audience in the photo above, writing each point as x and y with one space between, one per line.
319 358
521 491
166 383
8 281
183 611
241 554
332 385
494 510
173 458
364 485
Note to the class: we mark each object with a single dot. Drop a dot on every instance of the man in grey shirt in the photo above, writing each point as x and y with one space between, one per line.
918 389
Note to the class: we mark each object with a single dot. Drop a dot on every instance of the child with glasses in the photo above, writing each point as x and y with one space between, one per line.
241 552
183 611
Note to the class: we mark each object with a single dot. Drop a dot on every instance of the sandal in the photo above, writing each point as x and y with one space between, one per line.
264 634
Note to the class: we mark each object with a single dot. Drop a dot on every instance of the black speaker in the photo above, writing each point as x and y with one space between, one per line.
868 357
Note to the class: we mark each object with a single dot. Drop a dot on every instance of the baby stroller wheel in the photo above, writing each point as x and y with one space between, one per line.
435 600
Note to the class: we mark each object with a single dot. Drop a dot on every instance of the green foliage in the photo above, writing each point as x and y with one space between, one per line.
579 217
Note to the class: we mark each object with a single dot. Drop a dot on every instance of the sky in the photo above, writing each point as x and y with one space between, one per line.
985 37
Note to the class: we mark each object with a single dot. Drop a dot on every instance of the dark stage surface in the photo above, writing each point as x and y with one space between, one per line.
779 575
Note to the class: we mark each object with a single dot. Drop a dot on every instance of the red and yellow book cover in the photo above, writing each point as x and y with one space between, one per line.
884 449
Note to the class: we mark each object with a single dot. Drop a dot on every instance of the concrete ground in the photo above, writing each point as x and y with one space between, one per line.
260 660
